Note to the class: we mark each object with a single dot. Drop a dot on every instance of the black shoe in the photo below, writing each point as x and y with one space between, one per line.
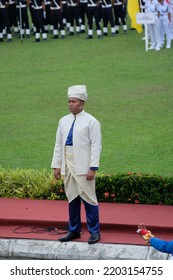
99 36
95 237
71 33
21 36
55 37
89 37
62 36
37 41
70 236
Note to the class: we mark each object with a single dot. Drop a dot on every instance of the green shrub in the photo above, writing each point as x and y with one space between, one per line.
121 188
29 183
135 188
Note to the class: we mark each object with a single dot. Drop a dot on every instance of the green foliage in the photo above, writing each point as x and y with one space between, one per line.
29 184
121 188
135 188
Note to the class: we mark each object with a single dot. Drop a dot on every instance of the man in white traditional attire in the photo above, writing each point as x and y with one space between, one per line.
76 156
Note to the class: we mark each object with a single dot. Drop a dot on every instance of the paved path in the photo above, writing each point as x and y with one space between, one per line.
55 250
119 222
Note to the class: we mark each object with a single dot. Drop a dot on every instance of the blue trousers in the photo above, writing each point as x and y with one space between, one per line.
92 216
162 245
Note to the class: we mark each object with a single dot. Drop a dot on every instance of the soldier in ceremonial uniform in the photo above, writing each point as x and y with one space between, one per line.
4 21
22 13
31 9
119 15
12 15
82 14
171 23
65 15
56 18
164 13
73 16
153 29
107 16
93 12
47 18
38 9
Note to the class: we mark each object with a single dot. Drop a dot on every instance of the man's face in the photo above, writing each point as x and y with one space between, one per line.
75 105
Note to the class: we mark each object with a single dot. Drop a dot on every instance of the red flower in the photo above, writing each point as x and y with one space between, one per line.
106 194
129 173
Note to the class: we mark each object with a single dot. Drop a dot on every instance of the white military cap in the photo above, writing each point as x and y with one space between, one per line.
78 91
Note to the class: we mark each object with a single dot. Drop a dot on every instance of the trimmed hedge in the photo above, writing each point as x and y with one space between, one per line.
135 188
121 188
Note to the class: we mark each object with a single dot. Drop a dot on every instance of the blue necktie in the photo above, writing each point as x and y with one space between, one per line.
69 141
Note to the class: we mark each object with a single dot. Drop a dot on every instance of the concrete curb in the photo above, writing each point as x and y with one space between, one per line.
55 250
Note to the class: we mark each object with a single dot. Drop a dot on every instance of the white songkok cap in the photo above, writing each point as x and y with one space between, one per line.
79 92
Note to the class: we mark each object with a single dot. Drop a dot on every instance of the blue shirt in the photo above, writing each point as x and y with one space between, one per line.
69 141
162 245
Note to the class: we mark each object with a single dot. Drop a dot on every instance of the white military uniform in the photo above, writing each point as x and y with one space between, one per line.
153 29
164 10
171 24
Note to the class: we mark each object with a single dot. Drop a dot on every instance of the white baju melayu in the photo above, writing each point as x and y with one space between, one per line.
75 161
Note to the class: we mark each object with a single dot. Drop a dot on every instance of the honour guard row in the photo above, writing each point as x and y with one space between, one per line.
19 17
80 16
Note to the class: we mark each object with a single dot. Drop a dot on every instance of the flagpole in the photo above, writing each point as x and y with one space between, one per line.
146 29
146 37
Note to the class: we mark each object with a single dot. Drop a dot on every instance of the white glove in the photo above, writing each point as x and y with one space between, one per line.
44 14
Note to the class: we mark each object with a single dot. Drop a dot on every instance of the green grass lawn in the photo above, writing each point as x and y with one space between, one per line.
130 92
